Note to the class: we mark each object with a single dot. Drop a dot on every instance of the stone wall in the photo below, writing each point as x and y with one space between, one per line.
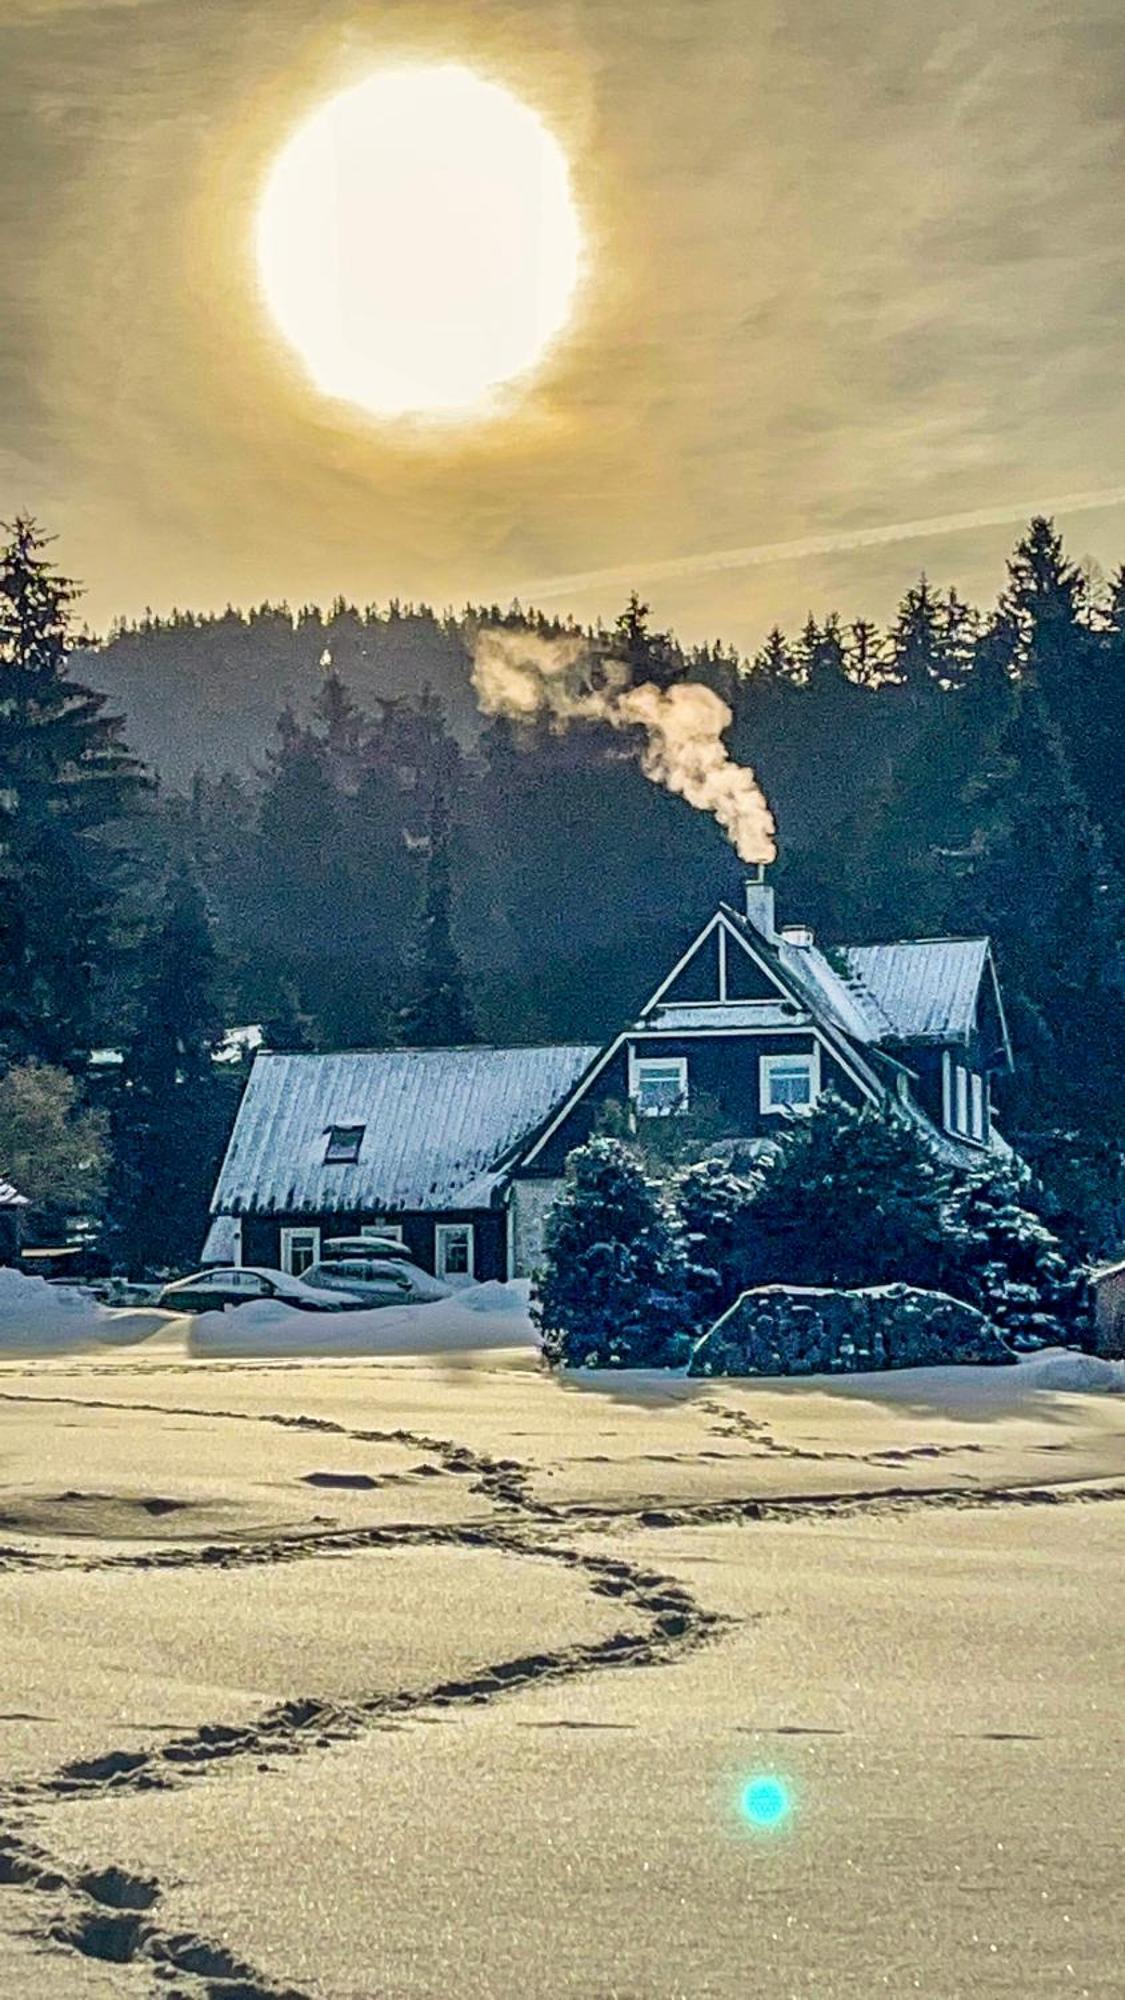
799 1330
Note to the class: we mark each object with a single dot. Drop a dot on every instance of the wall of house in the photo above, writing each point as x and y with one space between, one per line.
261 1235
721 1067
531 1202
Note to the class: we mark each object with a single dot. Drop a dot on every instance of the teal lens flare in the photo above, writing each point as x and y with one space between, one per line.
765 1801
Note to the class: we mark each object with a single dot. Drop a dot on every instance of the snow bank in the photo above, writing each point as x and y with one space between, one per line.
489 1315
38 1318
1061 1370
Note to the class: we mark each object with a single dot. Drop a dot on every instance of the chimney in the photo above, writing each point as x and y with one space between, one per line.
759 902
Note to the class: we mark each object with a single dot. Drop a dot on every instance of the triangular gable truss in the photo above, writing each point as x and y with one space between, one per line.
713 947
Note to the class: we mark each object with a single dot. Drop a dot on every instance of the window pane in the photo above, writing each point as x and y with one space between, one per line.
961 1114
660 1086
453 1253
791 1083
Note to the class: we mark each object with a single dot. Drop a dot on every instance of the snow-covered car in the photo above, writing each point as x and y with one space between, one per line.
368 1246
377 1277
214 1290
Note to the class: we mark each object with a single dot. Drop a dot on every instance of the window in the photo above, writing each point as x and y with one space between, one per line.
344 1142
788 1083
961 1098
299 1249
386 1230
976 1107
453 1249
660 1085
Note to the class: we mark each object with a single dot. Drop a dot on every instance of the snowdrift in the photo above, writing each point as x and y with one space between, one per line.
488 1315
38 1318
1060 1369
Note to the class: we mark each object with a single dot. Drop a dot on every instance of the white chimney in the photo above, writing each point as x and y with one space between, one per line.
759 902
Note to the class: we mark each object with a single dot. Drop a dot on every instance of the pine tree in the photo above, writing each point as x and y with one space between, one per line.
174 1108
647 656
918 652
439 1013
66 784
613 1292
1001 1257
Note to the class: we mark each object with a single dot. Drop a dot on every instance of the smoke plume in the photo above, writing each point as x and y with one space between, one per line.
521 675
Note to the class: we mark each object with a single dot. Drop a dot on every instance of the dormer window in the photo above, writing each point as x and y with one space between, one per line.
343 1145
660 1086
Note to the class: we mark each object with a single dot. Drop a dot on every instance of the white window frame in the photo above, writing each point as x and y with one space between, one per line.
293 1240
638 1064
443 1234
392 1229
977 1121
766 1068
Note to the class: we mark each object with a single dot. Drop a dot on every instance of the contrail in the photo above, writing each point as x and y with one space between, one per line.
818 545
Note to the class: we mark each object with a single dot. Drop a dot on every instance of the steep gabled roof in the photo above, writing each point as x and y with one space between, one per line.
925 988
439 1125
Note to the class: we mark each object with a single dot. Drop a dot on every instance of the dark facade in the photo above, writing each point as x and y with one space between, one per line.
267 1240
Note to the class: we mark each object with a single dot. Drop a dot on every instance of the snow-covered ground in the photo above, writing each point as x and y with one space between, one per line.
37 1318
477 1316
369 1677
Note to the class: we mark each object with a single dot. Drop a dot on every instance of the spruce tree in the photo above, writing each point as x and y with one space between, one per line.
852 1197
614 1289
66 784
438 1013
647 656
174 1108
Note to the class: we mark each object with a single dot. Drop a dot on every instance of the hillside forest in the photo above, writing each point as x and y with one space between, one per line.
300 819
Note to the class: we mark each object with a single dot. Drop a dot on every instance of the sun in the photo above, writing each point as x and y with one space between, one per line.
417 242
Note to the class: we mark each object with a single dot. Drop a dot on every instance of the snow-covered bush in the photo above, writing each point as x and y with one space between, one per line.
613 1290
1001 1256
803 1330
851 1197
714 1205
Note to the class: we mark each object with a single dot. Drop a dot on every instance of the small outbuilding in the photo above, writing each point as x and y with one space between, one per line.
1108 1287
13 1209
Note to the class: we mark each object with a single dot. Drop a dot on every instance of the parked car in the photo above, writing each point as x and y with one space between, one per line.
376 1279
368 1246
214 1290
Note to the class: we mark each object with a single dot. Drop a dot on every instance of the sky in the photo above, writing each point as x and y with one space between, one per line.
847 266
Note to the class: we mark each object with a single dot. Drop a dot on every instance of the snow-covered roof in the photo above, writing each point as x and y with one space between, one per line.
438 1124
10 1197
222 1244
925 988
724 1014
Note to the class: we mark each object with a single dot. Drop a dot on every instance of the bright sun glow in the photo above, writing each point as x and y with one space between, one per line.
417 241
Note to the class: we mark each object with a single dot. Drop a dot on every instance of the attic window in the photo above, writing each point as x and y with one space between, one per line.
344 1142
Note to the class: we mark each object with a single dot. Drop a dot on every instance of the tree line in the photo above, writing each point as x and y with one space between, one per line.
389 867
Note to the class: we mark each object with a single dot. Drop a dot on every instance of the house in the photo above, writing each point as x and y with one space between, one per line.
463 1151
411 1142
